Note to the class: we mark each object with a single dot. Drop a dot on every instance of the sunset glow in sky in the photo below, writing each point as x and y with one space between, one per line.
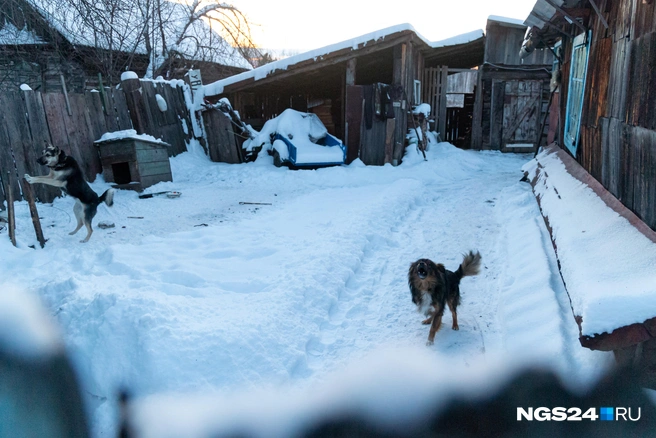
297 26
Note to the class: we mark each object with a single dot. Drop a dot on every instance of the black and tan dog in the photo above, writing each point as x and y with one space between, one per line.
432 286
66 174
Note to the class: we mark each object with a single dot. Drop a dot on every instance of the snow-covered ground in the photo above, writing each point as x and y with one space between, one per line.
209 294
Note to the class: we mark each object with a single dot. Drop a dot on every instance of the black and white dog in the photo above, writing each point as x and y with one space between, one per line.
66 174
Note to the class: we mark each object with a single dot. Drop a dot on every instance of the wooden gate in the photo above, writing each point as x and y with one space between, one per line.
515 118
434 93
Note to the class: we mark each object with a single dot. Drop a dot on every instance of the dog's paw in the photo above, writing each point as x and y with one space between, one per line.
28 178
429 343
427 321
455 327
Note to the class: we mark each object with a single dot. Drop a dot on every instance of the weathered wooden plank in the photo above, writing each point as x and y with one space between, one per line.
19 141
650 179
148 155
29 197
650 110
81 138
40 134
118 117
462 83
626 166
354 115
11 216
496 123
154 168
441 109
54 106
389 140
220 138
7 169
633 104
175 136
477 127
96 114
118 158
372 149
155 116
645 96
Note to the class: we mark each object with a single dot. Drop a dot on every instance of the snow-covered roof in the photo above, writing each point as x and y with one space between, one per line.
126 32
128 134
459 39
542 11
360 42
506 20
11 35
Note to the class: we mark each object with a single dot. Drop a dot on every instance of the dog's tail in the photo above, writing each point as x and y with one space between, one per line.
107 197
471 264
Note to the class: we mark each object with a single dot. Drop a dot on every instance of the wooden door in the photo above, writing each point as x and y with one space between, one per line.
516 115
354 114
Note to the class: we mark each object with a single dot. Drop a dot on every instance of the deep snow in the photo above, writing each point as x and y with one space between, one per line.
208 294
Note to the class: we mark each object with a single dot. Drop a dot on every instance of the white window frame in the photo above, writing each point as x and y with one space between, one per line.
578 72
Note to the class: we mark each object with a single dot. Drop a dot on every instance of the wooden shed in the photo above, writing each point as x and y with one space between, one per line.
512 94
361 89
134 162
606 119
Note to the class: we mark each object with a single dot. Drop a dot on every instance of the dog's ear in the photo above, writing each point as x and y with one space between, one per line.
62 155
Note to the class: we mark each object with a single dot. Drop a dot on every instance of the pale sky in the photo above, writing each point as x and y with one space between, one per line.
300 25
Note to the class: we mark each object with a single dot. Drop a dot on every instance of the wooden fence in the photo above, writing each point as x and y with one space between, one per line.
74 121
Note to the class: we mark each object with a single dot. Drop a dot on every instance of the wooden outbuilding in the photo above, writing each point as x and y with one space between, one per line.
605 121
134 162
361 89
512 94
481 94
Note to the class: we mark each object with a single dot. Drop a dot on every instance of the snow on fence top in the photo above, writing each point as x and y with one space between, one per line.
217 87
607 264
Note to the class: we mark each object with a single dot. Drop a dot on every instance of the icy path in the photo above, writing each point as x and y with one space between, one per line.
206 294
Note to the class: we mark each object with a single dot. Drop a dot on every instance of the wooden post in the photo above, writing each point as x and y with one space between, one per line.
350 71
389 140
68 103
9 195
135 104
440 112
477 121
29 197
103 98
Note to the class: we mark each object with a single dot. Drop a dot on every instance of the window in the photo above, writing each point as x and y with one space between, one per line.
577 74
417 93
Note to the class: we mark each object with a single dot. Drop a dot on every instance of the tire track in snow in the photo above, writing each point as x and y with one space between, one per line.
374 307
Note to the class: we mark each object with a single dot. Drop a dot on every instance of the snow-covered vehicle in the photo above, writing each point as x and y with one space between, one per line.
299 140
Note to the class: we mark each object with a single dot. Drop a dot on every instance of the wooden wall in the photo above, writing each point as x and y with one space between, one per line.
503 66
502 44
618 124
28 118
